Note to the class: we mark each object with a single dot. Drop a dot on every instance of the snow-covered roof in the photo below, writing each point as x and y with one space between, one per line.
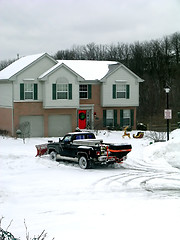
18 65
87 69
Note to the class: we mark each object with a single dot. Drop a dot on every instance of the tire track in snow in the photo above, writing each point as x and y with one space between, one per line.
161 183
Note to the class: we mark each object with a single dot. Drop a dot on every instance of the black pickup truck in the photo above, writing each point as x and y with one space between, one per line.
85 149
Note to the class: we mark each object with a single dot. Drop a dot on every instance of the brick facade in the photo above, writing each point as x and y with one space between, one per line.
6 119
36 109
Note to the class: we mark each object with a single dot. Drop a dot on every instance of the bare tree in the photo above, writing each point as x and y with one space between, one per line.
5 63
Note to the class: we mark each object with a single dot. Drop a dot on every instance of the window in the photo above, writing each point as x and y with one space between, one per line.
109 118
67 139
83 91
79 137
121 91
28 90
62 91
126 117
90 136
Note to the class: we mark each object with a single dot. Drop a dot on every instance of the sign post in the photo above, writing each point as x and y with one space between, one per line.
167 111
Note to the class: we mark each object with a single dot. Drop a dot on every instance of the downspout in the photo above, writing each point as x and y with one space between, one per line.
92 116
13 108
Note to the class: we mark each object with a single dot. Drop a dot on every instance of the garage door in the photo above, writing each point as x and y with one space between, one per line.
32 124
59 125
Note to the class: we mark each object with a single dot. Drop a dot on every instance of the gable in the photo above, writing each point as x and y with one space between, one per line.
121 73
34 70
120 87
22 64
62 69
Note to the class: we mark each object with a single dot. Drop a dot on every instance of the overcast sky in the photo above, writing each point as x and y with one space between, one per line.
36 26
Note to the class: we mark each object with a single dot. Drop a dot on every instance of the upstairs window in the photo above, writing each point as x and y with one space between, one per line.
85 91
28 91
121 91
61 91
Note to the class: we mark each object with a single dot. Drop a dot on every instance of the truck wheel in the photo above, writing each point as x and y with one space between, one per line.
53 155
83 162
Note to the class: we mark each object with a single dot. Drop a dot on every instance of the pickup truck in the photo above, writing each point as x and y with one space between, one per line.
85 149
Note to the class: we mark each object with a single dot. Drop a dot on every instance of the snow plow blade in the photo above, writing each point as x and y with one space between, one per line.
41 150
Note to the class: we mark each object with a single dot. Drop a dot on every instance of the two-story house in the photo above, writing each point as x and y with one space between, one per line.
56 97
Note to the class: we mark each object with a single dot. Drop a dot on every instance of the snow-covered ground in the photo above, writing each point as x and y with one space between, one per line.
139 199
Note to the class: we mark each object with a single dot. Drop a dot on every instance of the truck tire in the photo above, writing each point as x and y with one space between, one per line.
53 156
84 163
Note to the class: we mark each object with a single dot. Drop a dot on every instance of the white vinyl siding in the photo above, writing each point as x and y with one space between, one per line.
110 96
61 76
6 94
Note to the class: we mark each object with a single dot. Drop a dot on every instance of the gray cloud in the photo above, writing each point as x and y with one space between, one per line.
35 26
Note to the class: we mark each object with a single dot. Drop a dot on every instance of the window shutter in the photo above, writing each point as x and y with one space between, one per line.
104 118
115 117
132 117
121 118
127 91
54 91
21 91
35 91
70 91
114 91
89 91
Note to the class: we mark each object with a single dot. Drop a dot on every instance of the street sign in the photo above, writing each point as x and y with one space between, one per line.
167 114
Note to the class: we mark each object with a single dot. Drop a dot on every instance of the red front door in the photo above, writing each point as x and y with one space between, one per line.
82 119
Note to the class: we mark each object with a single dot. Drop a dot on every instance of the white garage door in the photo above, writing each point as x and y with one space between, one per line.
59 125
32 124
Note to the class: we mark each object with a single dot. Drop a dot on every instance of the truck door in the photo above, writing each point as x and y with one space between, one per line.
66 147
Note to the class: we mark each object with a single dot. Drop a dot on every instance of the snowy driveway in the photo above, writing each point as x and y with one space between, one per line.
137 200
